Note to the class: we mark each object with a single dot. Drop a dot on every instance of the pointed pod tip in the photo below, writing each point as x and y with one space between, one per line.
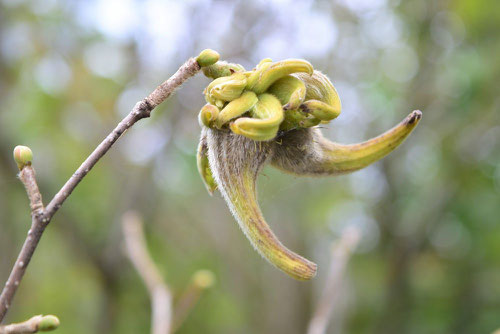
305 273
211 189
414 117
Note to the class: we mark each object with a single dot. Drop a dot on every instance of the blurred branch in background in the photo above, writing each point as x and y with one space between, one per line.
36 324
164 319
23 156
201 280
136 250
69 70
341 252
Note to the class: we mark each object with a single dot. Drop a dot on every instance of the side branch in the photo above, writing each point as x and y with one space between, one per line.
141 110
201 280
341 253
136 250
33 325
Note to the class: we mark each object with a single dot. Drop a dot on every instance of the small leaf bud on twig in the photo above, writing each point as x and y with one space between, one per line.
207 57
203 279
48 323
23 156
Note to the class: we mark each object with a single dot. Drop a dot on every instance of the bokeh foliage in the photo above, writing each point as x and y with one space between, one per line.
430 214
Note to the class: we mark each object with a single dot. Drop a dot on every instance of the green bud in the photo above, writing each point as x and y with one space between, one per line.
262 62
207 57
222 69
226 88
48 323
267 115
256 74
320 110
204 166
23 156
267 73
208 115
290 90
204 279
320 88
236 108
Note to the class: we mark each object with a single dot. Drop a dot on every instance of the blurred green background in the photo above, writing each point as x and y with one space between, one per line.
429 258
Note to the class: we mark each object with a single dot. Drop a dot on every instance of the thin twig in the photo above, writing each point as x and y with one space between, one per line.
39 222
137 252
27 177
184 305
33 325
340 257
201 280
141 110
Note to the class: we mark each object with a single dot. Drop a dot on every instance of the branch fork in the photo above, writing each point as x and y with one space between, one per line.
23 156
164 318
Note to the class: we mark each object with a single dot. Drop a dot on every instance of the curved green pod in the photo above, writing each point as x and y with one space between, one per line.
320 110
289 90
267 115
226 88
221 69
236 108
203 164
287 98
236 162
319 87
270 72
307 152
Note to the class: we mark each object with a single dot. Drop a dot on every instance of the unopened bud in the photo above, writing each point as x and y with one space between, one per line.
48 323
23 156
208 115
222 69
226 88
207 57
203 279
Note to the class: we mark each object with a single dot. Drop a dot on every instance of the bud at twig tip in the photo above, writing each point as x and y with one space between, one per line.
203 279
208 115
207 57
23 156
48 323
